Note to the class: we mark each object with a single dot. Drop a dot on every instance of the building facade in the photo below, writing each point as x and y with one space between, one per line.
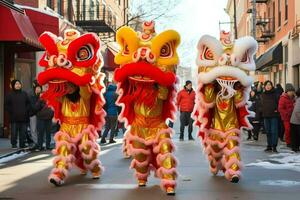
22 21
277 32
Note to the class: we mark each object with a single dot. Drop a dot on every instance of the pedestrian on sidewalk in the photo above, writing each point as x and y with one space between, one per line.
279 91
255 121
44 117
185 103
111 113
34 96
285 108
295 124
18 106
269 104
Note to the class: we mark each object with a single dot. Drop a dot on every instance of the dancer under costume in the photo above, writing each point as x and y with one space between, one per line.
146 79
75 84
223 91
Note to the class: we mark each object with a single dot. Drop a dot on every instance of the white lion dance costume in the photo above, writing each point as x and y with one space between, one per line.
146 82
223 90
72 72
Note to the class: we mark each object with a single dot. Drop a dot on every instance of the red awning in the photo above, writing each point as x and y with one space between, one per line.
42 21
16 26
109 63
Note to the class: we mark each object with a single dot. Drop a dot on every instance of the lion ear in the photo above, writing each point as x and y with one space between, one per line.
244 51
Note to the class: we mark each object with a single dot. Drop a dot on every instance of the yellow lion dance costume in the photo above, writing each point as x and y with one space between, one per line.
223 90
72 72
146 79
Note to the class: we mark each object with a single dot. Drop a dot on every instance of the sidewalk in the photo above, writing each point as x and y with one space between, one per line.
5 148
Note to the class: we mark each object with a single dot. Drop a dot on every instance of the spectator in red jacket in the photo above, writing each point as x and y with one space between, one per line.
285 108
185 103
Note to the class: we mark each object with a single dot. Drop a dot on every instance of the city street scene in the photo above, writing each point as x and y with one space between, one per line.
150 99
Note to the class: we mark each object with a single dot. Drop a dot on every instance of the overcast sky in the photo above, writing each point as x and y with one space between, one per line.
192 19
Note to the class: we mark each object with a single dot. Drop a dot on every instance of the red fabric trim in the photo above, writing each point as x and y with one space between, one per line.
47 39
63 74
145 69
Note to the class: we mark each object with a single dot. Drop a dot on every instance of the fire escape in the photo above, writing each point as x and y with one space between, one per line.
95 17
265 26
265 29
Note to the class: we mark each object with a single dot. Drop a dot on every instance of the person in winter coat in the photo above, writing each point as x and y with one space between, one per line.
18 106
285 108
295 124
44 117
279 91
185 103
269 108
111 113
255 121
34 96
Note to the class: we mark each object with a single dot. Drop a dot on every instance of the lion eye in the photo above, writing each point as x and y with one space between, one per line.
84 53
245 58
166 50
208 54
126 50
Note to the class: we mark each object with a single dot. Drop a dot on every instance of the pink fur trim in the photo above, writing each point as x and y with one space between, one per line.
71 147
221 145
135 151
230 172
161 157
139 164
162 171
61 171
228 152
232 161
168 141
93 164
210 151
91 132
166 182
142 176
56 178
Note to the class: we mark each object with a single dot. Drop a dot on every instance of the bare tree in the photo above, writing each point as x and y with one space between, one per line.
141 10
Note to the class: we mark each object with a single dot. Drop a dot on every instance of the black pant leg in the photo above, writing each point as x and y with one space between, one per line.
41 130
22 133
14 134
48 126
113 126
182 124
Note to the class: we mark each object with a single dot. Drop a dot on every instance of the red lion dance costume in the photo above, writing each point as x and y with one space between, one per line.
146 82
221 111
72 72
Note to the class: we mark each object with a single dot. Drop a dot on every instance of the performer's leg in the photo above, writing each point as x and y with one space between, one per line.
141 159
125 146
64 159
90 149
166 161
214 153
232 161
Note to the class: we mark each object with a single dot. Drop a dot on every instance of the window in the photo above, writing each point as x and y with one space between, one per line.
59 7
279 13
285 61
98 9
119 2
83 8
104 12
92 9
50 3
286 10
273 16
